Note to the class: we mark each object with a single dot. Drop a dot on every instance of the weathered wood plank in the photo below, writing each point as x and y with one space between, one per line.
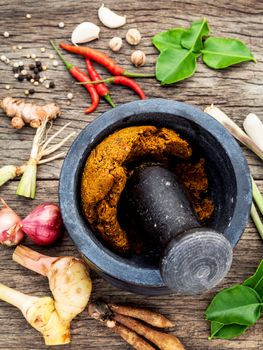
237 91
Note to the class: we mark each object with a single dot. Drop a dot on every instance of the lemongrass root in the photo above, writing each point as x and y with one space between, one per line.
162 340
68 278
153 318
40 313
254 128
257 221
234 129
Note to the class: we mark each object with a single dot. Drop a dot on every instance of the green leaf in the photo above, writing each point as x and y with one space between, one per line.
174 65
169 39
229 331
256 281
238 304
192 38
223 52
215 327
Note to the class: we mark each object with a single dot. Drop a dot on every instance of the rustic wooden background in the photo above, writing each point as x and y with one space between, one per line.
237 91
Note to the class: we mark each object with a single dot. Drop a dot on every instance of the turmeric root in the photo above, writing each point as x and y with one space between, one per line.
148 316
68 278
23 113
131 337
162 340
101 311
40 313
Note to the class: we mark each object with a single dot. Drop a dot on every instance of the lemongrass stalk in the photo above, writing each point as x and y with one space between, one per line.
40 313
254 128
257 196
27 184
234 129
257 221
7 173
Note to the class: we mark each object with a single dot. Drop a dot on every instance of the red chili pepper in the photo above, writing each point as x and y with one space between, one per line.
82 77
130 83
101 88
121 81
102 59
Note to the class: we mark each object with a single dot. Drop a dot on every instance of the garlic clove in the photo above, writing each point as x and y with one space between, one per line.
109 18
85 32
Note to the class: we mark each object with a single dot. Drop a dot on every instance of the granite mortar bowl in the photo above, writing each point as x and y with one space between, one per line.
228 174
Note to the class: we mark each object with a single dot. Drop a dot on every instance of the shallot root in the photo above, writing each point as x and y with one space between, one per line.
23 113
68 277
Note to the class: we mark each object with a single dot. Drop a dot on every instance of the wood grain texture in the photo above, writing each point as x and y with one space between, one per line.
237 90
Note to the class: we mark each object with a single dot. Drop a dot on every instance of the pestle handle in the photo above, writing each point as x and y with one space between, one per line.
158 203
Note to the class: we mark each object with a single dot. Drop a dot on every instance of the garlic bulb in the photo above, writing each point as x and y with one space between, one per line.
109 18
138 58
85 32
115 44
133 36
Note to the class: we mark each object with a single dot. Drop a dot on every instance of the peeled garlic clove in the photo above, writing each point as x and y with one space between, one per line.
109 18
85 32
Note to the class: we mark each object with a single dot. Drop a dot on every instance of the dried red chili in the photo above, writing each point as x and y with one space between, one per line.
82 77
101 88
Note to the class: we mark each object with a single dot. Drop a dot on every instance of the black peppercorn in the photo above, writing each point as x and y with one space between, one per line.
31 91
36 70
15 69
20 68
20 77
38 64
31 66
52 84
37 77
29 77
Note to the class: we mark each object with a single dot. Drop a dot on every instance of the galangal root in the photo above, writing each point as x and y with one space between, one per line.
68 279
120 319
23 112
40 313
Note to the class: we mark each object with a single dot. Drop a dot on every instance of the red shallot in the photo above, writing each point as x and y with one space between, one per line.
44 224
10 226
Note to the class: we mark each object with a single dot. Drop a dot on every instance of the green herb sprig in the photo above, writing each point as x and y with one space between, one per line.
180 48
235 309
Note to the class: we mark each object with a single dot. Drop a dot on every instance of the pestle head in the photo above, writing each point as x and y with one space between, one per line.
194 258
196 261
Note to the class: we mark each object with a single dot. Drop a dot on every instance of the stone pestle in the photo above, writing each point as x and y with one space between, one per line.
194 258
